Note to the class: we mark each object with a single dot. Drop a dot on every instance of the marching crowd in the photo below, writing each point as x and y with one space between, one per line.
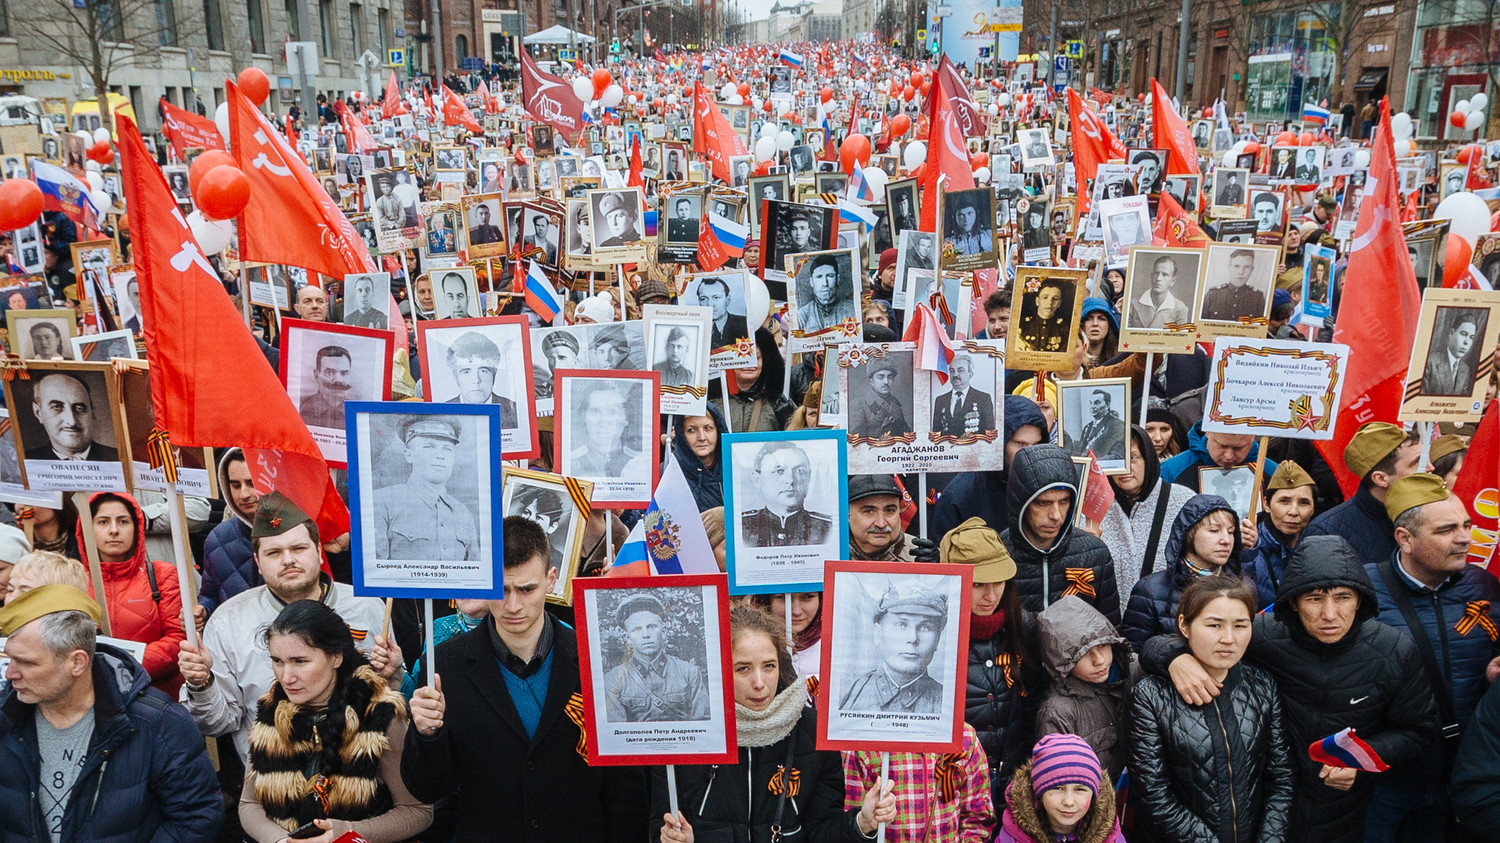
1173 672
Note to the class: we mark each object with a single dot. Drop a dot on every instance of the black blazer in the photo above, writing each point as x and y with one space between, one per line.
536 790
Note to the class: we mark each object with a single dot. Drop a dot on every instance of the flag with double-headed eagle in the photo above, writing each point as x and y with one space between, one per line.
669 538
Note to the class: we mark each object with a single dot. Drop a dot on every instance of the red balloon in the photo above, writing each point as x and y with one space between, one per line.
208 160
826 94
915 78
908 93
926 87
1464 154
1306 139
1252 148
743 89
900 125
855 147
20 203
1140 97
1457 119
1286 139
254 84
601 81
979 159
1456 260
223 192
101 152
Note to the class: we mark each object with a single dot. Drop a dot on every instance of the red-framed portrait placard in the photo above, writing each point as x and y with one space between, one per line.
323 365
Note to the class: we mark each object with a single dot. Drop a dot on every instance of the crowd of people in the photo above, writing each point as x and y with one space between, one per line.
1179 669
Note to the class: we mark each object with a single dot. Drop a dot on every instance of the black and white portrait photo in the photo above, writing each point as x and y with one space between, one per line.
1184 190
579 235
1265 209
455 293
41 334
1310 165
481 363
893 638
836 183
685 213
1453 351
482 225
606 432
901 200
723 293
1237 287
1235 485
422 488
649 682
365 297
1152 164
677 339
1044 316
786 505
1126 222
609 346
27 251
824 296
518 178
450 159
177 182
324 367
739 170
916 253
548 501
968 229
759 189
1161 286
101 348
617 226
1036 226
879 387
802 159
1093 416
1036 148
793 229
67 428
541 229
1229 192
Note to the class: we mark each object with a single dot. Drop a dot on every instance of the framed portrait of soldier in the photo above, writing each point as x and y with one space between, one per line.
1266 209
482 233
823 294
1126 223
683 217
760 189
723 293
41 334
455 293
1036 149
1161 298
654 657
325 365
896 637
836 183
1093 416
1230 193
790 228
483 361
801 157
903 205
967 229
1235 484
1045 302
67 426
540 233
441 240
138 417
1036 229
101 348
674 161
677 340
786 503
1452 358
606 426
1317 282
450 159
615 346
618 232
1152 163
422 488
1237 290
880 386
916 260
1184 190
561 507
364 300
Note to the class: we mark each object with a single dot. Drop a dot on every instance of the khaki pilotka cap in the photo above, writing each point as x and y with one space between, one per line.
1448 443
1414 490
45 600
1372 443
975 543
1289 475
275 515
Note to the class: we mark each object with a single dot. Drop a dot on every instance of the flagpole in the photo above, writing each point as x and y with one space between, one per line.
1426 428
431 648
885 769
1146 386
177 517
91 551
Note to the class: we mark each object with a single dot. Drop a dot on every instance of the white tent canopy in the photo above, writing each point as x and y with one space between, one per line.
558 34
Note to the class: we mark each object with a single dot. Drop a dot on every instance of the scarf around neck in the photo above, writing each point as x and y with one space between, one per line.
763 728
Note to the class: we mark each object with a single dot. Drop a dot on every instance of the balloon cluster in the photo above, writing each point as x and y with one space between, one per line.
1401 132
1468 114
599 88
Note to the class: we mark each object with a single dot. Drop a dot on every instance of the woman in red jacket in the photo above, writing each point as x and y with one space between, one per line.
144 601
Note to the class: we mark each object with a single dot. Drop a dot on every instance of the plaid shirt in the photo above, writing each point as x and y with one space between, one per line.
921 814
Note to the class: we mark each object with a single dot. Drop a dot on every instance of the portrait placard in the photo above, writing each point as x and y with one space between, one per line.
67 426
561 507
481 212
966 416
774 188
903 206
896 639
1094 417
41 334
916 263
1264 387
422 489
731 345
1045 302
455 293
1453 356
791 229
194 465
1237 294
884 394
618 231
677 340
1229 193
324 365
786 499
638 636
967 229
12 487
1126 222
483 361
101 348
1235 484
1317 283
823 295
365 298
1161 296
606 427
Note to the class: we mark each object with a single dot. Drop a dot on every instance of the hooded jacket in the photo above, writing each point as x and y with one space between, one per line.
139 610
1371 680
1021 822
1127 532
228 560
981 494
706 482
145 777
1096 712
1077 562
1153 603
1182 468
1362 522
762 407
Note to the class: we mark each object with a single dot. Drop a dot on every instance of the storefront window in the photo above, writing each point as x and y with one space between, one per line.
1293 60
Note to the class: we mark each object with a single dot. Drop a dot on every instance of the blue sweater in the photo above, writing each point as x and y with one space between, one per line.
528 694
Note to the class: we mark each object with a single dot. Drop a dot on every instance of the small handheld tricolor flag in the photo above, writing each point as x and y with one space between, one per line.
1314 114
791 59
934 352
541 296
1345 750
859 189
850 212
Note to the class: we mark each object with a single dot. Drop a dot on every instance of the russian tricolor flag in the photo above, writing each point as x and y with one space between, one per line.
934 351
729 233
850 212
1314 114
541 296
62 191
671 545
792 59
859 188
1345 750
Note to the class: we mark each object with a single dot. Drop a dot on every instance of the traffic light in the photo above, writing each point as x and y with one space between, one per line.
614 47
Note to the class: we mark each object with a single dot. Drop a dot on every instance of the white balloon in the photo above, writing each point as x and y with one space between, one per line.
1400 125
765 149
736 99
1462 106
914 154
612 96
982 175
1469 216
1403 147
1229 159
95 180
994 109
728 89
1473 120
583 88
221 120
757 300
1002 99
101 200
1478 102
212 235
1362 159
634 99
757 103
101 134
769 129
876 179
88 137
671 99
92 166
785 141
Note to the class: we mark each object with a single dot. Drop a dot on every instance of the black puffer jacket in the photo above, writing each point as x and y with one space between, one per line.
706 482
1001 700
1077 563
1219 772
1152 609
1371 680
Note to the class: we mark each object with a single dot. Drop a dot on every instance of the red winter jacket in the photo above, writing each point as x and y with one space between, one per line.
133 614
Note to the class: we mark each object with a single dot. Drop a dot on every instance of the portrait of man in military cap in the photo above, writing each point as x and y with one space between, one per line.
907 626
782 472
616 218
419 518
880 396
651 683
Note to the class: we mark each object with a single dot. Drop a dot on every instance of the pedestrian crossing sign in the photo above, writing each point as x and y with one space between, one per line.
395 57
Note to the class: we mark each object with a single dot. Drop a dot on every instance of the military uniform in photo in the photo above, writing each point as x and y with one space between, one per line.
414 522
1227 303
318 411
662 688
764 528
880 689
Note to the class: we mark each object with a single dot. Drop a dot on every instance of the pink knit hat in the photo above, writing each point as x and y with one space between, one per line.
1062 759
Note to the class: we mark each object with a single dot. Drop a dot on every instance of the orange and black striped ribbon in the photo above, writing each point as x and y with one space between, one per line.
1080 581
794 782
812 687
13 368
1478 613
358 634
321 787
939 304
948 773
1003 660
159 454
574 709
580 498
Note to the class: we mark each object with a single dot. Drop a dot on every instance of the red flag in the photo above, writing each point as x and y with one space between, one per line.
713 137
184 129
947 154
549 99
1176 227
1478 486
360 139
1378 314
194 335
1098 494
392 104
455 113
970 118
490 106
1093 144
1475 178
635 179
291 131
1170 132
